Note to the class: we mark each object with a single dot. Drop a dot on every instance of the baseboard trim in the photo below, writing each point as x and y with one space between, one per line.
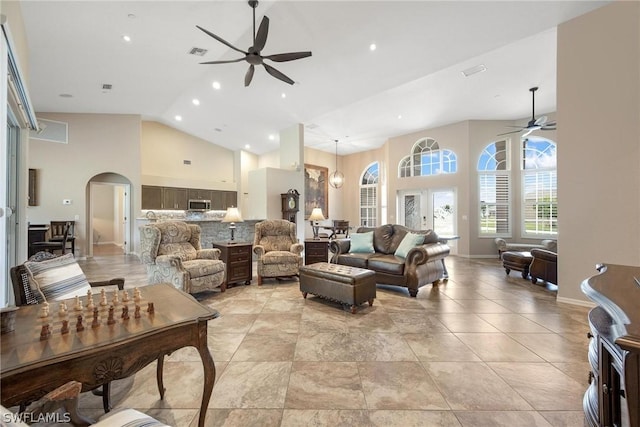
574 301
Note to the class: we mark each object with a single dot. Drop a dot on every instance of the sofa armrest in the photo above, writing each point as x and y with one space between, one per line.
258 250
544 255
169 261
425 253
296 248
550 245
339 246
501 244
208 253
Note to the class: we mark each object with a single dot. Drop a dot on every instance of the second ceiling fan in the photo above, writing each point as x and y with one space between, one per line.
253 55
534 124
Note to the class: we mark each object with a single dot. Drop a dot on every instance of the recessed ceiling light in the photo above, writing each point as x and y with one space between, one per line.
272 137
216 85
399 116
474 70
247 146
126 38
284 95
372 47
65 95
178 118
195 101
217 129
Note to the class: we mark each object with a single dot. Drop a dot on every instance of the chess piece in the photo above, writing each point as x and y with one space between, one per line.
44 310
89 293
110 319
125 313
78 306
95 323
62 309
103 298
125 296
150 308
65 327
90 304
137 295
116 299
136 314
45 332
79 325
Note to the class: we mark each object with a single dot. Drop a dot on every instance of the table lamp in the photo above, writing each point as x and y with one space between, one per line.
232 216
316 215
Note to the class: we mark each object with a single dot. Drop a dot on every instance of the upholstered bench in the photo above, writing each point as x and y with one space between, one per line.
519 261
347 285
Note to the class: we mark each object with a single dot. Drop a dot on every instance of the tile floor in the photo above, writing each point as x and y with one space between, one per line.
483 349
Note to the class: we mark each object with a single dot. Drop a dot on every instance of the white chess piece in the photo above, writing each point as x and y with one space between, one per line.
62 309
116 298
78 306
90 303
44 310
137 295
125 296
103 298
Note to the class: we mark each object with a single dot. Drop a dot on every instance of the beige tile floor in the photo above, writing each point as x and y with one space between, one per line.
483 349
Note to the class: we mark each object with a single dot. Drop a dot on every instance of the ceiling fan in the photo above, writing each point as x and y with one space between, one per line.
253 55
534 124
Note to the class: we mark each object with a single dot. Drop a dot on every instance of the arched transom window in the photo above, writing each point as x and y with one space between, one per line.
427 158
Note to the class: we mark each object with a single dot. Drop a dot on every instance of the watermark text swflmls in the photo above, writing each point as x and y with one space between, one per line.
28 418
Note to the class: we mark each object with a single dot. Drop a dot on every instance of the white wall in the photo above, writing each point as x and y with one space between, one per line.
599 143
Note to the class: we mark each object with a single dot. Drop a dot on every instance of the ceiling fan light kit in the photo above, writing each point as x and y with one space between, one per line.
534 124
253 55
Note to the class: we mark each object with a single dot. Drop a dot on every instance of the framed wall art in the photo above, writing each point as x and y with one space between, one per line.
316 180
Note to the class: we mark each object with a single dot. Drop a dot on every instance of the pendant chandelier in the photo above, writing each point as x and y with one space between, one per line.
336 179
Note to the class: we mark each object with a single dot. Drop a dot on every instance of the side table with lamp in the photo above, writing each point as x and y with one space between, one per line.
316 249
235 255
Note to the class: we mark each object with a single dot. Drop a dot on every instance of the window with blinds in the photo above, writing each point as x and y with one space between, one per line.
494 191
539 188
369 196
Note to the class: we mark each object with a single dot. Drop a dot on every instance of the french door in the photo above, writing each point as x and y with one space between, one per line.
429 209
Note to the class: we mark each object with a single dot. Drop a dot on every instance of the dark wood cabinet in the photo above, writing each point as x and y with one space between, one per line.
174 198
151 197
199 194
290 206
613 395
238 261
33 187
230 199
316 251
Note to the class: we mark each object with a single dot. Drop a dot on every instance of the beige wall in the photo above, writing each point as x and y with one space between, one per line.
103 214
163 150
98 143
599 153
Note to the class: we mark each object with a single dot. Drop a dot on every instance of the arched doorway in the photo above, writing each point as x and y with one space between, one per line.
109 213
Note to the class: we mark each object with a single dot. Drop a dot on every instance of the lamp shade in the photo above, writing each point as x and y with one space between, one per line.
232 215
316 215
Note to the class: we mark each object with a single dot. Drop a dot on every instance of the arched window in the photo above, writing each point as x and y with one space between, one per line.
369 195
539 187
427 158
494 188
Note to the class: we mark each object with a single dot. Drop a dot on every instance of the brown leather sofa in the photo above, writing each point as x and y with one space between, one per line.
423 264
544 266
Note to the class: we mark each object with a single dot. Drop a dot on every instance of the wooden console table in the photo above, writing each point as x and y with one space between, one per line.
32 367
316 250
613 396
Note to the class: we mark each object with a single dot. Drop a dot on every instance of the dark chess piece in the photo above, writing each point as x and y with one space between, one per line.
125 313
110 319
79 325
45 333
96 322
136 314
150 308
65 327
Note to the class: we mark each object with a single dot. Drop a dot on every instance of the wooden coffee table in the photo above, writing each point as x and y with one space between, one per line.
32 367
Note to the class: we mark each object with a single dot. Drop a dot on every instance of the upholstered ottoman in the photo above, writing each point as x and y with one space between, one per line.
341 283
519 261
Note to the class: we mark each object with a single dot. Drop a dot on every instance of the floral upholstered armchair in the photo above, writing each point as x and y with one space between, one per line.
172 253
276 245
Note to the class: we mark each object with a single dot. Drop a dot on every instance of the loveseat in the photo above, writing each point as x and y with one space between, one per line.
395 262
504 246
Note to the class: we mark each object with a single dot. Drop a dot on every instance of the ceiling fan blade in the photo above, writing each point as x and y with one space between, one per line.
249 75
277 74
540 121
224 62
282 57
548 127
524 135
513 131
261 37
221 40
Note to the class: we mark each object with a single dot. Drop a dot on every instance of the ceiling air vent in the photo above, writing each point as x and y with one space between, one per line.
51 130
107 86
197 51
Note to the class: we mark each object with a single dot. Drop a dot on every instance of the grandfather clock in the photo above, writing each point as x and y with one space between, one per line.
290 206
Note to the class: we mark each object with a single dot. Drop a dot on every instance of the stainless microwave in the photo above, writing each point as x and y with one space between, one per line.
199 205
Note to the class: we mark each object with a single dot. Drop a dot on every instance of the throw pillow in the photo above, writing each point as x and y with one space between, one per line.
57 278
410 241
361 243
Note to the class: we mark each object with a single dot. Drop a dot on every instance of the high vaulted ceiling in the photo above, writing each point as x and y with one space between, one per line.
345 91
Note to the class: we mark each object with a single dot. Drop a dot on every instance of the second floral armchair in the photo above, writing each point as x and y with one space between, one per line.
276 245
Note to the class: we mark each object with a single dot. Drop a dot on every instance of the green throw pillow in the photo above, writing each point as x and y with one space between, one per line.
361 243
410 241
